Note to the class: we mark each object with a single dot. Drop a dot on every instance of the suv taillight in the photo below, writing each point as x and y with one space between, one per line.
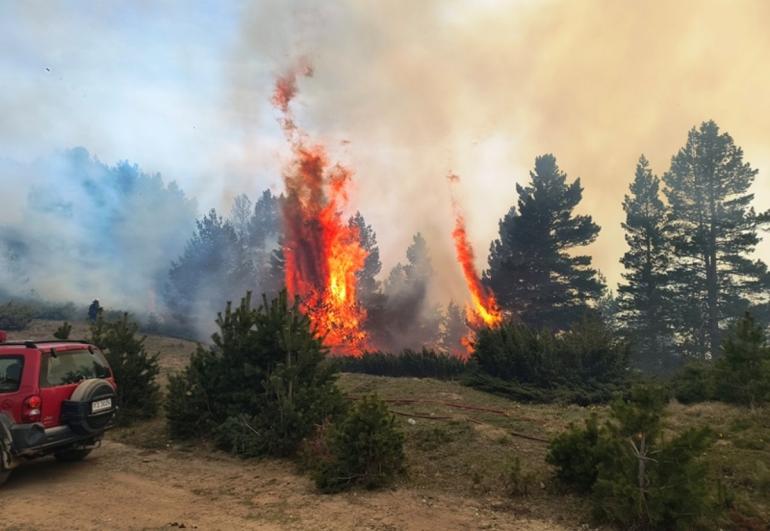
31 409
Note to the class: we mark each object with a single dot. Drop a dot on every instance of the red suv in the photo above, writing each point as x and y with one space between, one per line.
56 397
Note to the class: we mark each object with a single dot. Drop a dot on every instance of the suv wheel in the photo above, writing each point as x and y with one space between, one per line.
72 455
4 472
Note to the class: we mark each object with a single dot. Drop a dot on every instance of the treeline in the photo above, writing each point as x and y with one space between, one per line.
690 269
242 252
689 266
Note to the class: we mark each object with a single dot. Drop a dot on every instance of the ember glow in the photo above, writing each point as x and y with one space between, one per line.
322 253
483 310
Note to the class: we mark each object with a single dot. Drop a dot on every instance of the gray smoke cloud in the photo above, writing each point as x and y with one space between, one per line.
403 92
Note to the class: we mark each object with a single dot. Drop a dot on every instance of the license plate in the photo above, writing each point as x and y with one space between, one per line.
101 405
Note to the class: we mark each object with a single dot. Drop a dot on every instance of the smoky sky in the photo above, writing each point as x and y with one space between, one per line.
404 92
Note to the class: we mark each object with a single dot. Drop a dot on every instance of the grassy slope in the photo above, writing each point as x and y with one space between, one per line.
464 451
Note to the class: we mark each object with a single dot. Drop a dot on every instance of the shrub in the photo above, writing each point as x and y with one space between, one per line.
135 370
365 449
15 316
516 481
579 362
742 374
63 332
261 387
637 477
694 383
576 454
418 364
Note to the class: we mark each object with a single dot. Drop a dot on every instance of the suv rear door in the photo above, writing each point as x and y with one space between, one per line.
61 372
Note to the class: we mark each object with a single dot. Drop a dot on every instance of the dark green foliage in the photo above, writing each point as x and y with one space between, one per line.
534 269
714 232
576 454
646 479
135 370
638 478
365 449
585 355
15 316
694 382
63 332
419 364
644 296
261 387
742 374
512 390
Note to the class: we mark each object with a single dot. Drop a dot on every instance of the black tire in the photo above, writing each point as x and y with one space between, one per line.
4 472
76 410
72 455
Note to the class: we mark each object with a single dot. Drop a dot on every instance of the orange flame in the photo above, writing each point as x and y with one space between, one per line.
322 253
483 310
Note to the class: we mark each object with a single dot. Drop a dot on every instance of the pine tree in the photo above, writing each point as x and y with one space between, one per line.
401 318
368 285
533 268
454 328
135 371
714 232
264 226
212 269
262 242
644 296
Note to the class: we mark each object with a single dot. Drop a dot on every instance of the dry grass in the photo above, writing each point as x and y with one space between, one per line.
463 451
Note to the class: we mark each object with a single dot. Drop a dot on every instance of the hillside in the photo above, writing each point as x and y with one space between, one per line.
458 442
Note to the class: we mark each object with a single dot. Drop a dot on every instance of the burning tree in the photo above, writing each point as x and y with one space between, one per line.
322 254
484 310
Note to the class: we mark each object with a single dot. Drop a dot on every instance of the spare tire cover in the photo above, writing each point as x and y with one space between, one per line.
87 392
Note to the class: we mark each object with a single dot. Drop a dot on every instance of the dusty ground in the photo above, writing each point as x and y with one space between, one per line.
123 487
458 441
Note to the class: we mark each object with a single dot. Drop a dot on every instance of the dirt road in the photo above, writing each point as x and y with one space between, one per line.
122 487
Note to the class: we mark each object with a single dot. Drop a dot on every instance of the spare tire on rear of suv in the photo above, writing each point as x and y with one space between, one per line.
78 411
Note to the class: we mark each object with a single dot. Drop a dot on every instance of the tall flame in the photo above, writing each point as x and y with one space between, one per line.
322 253
483 310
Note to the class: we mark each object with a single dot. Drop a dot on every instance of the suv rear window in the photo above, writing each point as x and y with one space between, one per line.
11 368
72 366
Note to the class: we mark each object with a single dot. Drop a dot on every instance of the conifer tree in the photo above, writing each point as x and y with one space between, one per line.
534 269
644 296
134 369
368 285
714 232
213 267
453 330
